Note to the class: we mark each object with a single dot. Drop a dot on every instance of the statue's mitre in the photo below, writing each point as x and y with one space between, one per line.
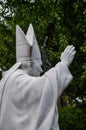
23 47
26 45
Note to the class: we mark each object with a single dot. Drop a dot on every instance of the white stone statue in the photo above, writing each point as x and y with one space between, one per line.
28 101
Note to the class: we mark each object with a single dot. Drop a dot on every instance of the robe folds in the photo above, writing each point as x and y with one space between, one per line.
30 103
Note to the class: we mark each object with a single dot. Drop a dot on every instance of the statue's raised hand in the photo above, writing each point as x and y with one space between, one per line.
68 55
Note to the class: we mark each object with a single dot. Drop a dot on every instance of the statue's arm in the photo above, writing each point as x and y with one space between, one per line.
60 76
64 77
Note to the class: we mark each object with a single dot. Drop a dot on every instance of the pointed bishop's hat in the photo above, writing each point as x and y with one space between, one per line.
23 47
26 46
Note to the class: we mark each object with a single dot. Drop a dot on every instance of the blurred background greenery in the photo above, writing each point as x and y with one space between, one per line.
64 22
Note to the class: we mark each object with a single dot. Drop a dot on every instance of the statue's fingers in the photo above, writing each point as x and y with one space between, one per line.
74 52
68 48
71 50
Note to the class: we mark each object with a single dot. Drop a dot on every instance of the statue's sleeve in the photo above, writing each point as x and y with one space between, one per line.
60 77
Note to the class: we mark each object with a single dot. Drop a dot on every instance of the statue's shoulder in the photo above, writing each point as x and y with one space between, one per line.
11 70
9 73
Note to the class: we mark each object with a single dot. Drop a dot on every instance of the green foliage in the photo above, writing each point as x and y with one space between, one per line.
72 119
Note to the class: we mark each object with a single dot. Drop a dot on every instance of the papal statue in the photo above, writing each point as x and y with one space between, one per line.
28 101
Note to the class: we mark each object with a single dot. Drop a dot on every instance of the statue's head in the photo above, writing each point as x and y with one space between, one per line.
27 51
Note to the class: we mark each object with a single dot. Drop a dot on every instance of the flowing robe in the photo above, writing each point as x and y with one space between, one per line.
30 103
